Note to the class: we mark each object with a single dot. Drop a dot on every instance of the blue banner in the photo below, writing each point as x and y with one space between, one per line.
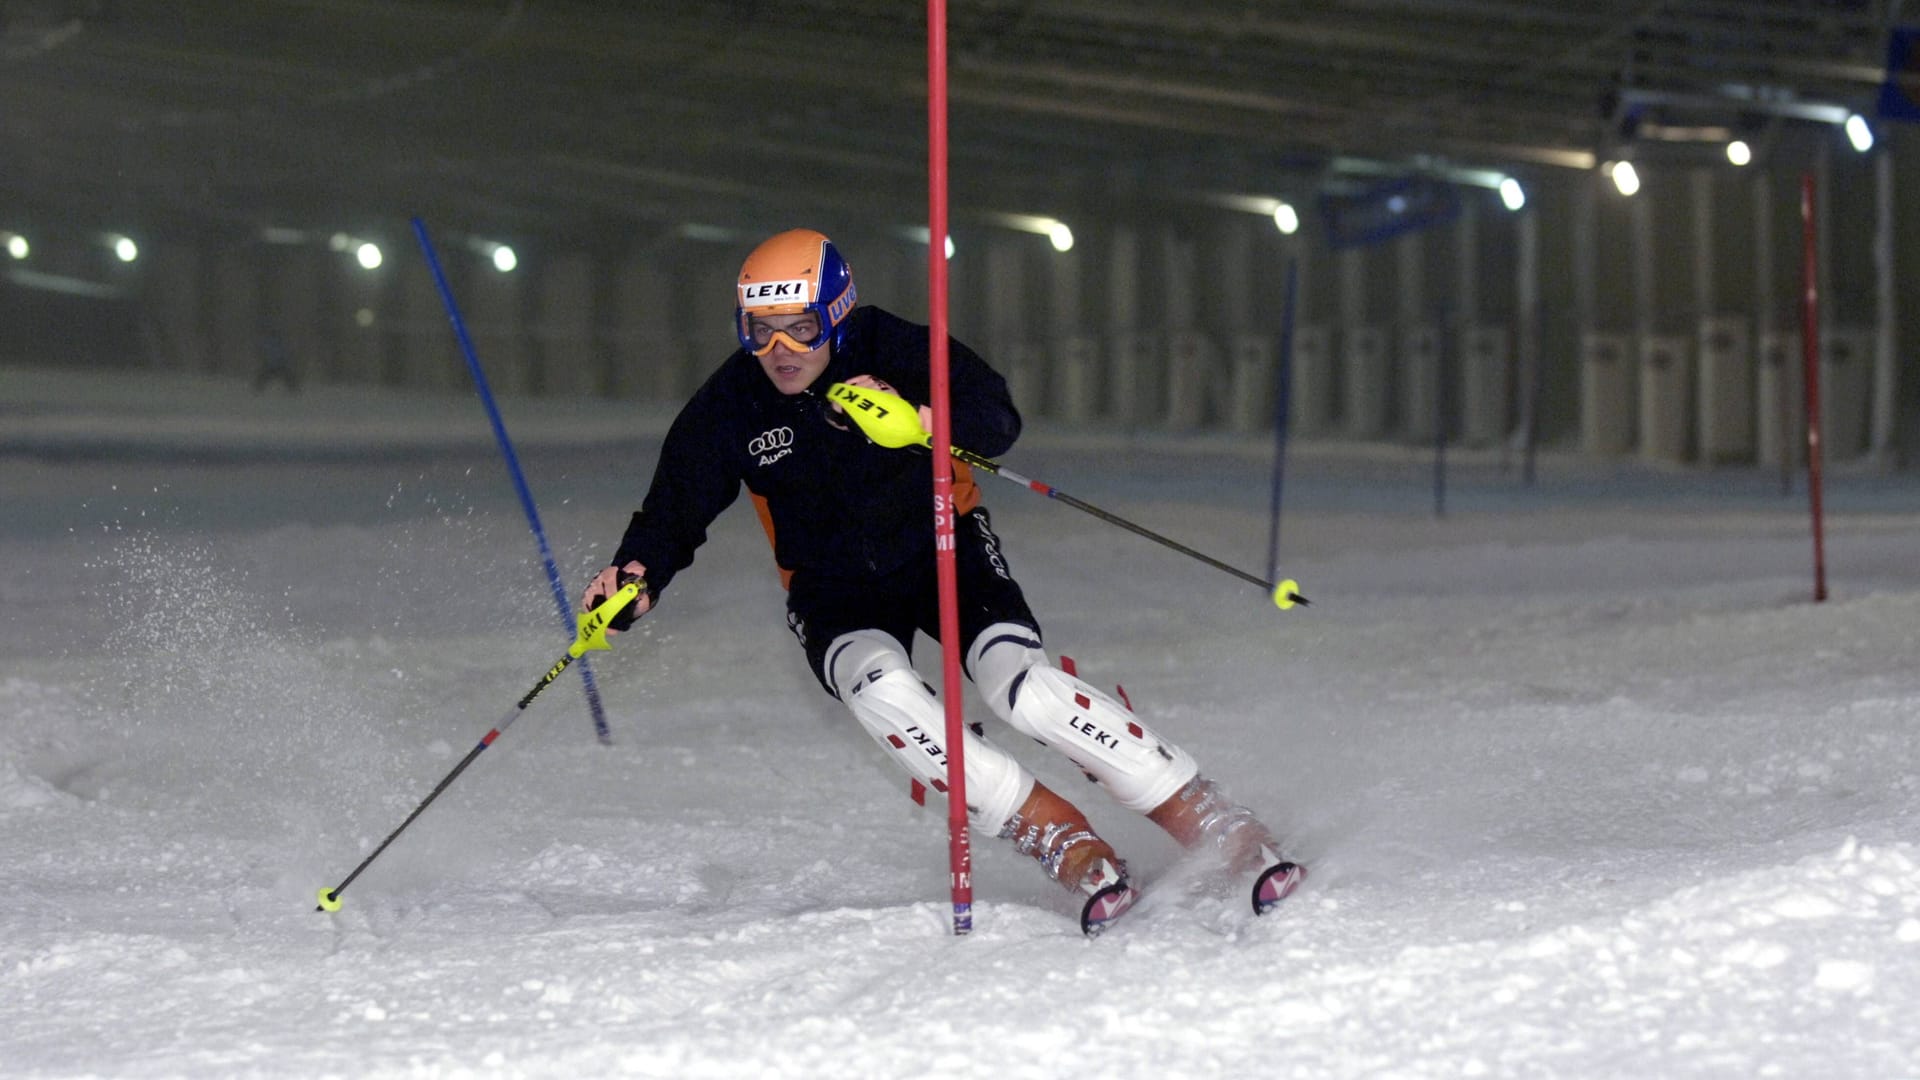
1900 94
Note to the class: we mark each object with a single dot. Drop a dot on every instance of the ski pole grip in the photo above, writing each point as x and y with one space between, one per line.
888 419
593 624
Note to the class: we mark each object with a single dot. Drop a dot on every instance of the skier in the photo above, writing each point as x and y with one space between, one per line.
851 531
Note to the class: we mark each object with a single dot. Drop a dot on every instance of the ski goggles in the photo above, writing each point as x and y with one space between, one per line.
802 335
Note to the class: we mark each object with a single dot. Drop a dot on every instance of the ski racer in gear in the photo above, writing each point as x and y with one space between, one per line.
851 532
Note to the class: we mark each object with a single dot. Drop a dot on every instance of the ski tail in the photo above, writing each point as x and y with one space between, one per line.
1109 896
1103 907
1275 884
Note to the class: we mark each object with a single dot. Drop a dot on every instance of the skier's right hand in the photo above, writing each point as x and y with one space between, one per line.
606 583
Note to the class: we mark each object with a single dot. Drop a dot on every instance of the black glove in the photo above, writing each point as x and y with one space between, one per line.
609 581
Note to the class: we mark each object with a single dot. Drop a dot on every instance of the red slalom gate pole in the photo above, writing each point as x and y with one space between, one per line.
959 843
1810 351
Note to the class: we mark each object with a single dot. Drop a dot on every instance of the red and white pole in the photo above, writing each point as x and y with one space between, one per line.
1810 351
959 845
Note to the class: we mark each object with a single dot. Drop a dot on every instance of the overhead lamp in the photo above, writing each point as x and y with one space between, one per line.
124 248
368 255
1739 152
1512 195
1055 230
1859 132
920 234
1279 211
708 234
1746 98
503 257
16 245
1625 177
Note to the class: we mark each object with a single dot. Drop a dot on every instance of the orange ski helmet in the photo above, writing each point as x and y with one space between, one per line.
790 273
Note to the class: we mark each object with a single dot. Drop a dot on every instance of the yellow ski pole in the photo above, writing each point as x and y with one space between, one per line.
592 635
893 422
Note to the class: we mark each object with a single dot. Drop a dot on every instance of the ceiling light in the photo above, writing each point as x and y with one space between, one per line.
16 245
503 257
1625 177
1055 230
1859 133
1286 219
712 234
1739 152
920 234
1512 195
125 249
368 254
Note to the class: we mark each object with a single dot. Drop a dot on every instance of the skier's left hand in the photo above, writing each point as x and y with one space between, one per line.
872 383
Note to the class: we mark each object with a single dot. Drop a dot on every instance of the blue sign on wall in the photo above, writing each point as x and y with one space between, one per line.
1900 94
1385 210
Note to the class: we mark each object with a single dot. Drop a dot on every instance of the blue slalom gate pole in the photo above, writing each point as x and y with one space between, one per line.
1440 377
519 478
1283 405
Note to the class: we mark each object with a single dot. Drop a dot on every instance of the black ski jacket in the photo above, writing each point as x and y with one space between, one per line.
835 504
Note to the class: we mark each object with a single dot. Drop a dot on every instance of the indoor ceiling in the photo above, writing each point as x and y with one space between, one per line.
569 117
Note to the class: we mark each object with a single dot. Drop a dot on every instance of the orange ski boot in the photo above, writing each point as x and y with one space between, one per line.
1201 817
1055 833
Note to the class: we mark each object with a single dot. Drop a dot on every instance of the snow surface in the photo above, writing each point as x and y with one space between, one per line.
1587 785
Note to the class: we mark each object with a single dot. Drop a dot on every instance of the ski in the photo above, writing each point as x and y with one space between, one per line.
1108 902
1106 905
1109 896
1274 884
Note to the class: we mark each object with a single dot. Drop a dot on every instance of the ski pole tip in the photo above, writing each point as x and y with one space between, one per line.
328 901
1286 594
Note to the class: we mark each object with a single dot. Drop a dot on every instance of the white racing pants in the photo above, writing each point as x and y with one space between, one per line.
872 673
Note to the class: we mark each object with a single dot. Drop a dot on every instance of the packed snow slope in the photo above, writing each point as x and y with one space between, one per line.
1587 785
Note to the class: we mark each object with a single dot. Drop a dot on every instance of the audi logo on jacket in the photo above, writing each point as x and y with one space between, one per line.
833 503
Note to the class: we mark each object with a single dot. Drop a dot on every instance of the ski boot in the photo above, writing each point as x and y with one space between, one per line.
1055 833
1201 817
